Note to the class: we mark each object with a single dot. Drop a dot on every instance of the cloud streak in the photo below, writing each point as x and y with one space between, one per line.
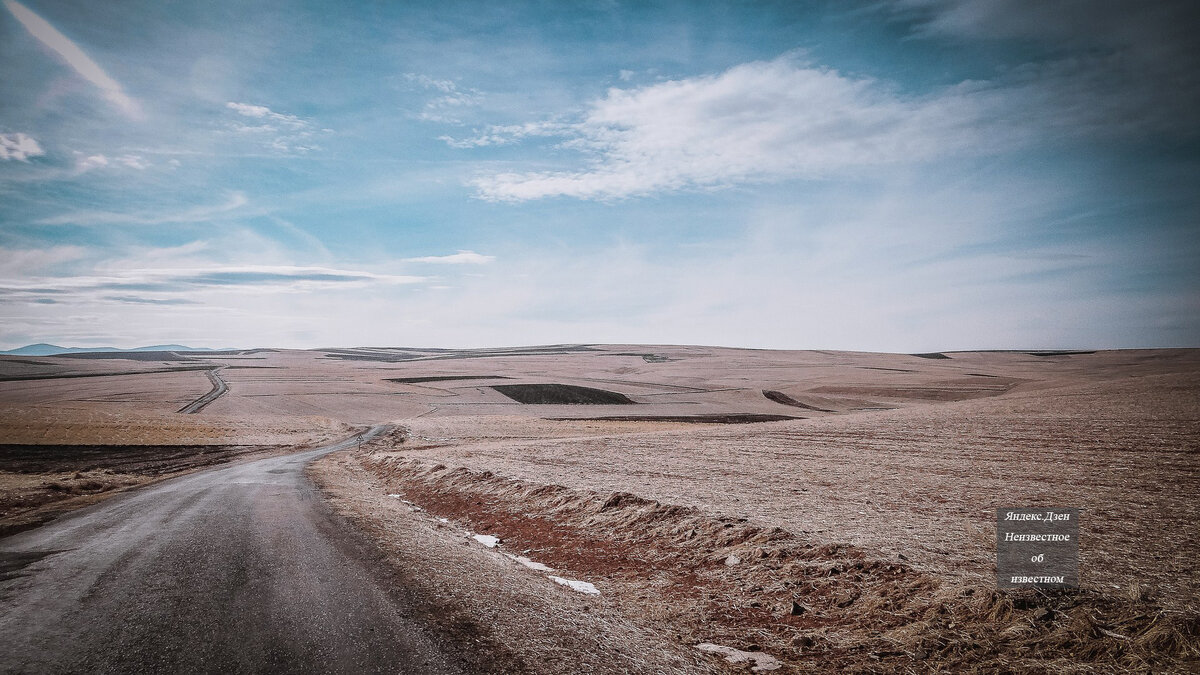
188 280
85 163
460 258
198 214
74 57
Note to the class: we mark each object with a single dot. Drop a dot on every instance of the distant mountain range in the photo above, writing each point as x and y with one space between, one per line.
43 349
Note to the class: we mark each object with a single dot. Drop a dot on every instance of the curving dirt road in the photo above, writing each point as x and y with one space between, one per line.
219 387
237 569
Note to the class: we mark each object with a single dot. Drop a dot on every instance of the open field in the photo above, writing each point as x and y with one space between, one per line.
856 535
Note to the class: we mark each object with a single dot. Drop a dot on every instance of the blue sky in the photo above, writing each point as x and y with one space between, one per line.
888 176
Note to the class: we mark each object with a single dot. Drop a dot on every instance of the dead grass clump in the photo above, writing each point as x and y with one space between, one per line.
79 484
1025 631
827 606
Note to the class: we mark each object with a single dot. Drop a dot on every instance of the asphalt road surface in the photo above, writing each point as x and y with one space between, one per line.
237 569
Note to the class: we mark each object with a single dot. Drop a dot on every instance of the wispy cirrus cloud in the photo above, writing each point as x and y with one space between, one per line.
73 56
507 134
262 112
460 258
235 201
24 262
449 100
189 280
137 300
19 147
281 132
99 161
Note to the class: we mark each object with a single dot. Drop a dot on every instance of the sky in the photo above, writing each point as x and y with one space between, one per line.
886 175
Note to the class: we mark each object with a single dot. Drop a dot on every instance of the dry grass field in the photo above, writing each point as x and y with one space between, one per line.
855 534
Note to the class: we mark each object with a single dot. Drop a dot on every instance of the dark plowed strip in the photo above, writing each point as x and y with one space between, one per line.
153 460
444 378
560 394
127 356
65 376
780 397
732 418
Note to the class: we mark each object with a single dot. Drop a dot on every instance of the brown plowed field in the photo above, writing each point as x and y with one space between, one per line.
901 459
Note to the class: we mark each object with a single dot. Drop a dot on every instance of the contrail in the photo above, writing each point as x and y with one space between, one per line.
73 56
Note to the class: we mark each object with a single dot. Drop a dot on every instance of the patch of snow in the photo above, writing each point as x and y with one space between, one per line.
762 662
487 540
581 586
530 563
443 520
395 496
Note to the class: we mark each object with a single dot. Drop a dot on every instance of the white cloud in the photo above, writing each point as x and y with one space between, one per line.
20 262
264 113
98 161
249 110
19 147
445 86
279 131
506 134
89 162
460 258
452 99
132 162
788 119
74 57
757 121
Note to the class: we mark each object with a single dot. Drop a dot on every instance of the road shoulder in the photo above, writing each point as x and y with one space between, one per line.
537 625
